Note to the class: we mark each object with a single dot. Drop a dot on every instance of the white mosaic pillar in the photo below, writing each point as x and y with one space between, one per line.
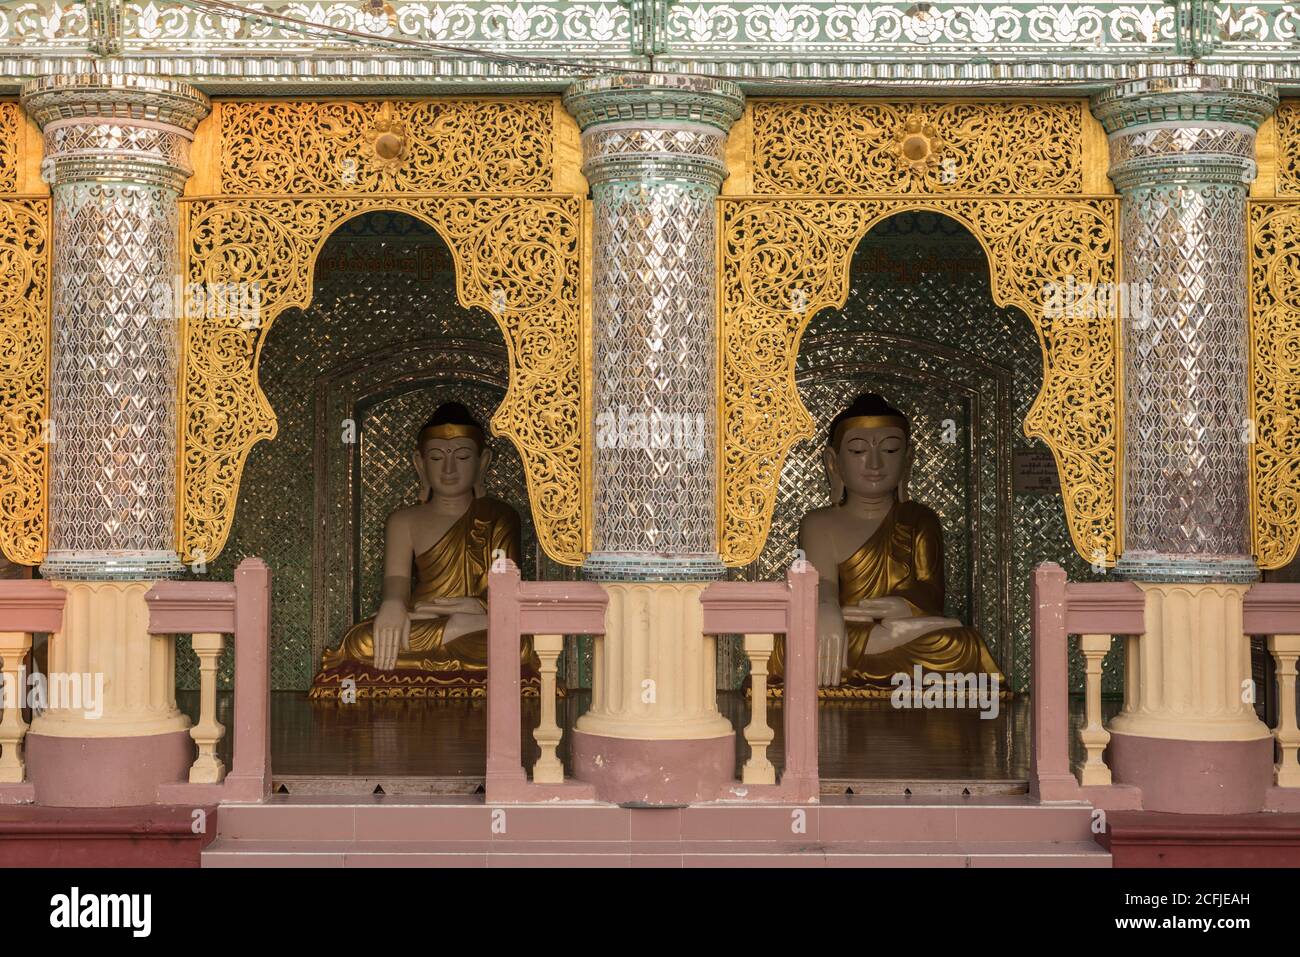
117 158
1182 155
653 152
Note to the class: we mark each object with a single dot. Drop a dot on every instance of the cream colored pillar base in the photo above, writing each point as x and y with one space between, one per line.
105 647
654 670
1189 677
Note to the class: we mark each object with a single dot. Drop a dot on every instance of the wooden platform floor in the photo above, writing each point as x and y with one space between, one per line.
438 746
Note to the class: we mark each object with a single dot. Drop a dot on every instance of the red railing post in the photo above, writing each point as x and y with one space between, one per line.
799 779
250 774
505 764
1049 757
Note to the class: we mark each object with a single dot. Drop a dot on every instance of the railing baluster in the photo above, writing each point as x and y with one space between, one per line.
207 767
1094 735
1285 649
548 769
758 733
14 646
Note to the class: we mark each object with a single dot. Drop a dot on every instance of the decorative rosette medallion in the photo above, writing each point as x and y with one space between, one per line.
918 144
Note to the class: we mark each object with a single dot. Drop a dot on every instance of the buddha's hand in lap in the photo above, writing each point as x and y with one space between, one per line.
882 609
437 607
894 632
392 633
858 615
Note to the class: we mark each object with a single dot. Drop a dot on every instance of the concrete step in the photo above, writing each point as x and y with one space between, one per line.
235 853
148 836
848 830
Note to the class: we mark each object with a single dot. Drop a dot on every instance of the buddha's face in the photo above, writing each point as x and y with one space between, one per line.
870 461
451 467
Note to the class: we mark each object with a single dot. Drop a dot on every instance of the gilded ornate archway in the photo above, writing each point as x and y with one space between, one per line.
1274 270
24 341
786 256
484 175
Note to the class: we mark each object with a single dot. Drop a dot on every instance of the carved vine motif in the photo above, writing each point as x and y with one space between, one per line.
24 376
783 260
10 125
835 147
429 146
1288 147
1275 381
517 257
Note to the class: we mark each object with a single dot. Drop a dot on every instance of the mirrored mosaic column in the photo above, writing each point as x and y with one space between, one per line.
653 154
1182 154
116 157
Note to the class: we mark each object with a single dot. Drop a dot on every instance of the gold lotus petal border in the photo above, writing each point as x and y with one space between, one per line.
519 257
784 259
1275 380
24 376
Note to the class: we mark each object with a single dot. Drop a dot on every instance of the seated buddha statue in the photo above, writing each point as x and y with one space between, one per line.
879 558
429 635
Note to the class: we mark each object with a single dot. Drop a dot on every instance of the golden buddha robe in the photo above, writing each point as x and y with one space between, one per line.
456 566
903 558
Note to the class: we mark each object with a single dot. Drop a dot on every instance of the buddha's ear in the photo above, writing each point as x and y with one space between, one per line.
484 463
833 476
901 491
426 487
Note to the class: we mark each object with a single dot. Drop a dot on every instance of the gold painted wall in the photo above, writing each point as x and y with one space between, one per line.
496 178
1273 223
25 249
823 174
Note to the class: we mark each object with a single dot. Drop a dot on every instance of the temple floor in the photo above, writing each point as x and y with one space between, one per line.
437 746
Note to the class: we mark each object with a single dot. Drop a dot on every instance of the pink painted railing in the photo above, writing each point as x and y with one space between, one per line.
761 610
1060 609
26 606
208 611
547 611
1097 612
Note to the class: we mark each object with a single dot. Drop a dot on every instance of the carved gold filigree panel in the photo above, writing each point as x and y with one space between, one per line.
24 376
1275 380
11 121
869 146
783 260
517 257
367 146
1287 118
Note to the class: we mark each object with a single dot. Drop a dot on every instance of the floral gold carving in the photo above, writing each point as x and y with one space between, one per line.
1275 380
1288 147
24 376
862 146
11 122
519 257
363 146
919 145
783 260
388 139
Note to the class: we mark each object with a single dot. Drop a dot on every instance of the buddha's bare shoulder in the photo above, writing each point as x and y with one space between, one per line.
819 518
407 515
